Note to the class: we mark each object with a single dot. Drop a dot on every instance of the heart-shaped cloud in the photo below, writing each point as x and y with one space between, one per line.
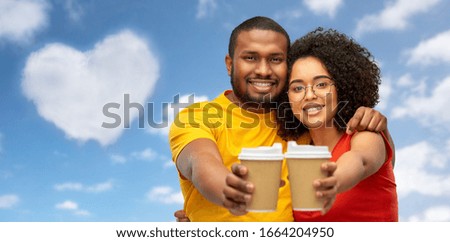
70 88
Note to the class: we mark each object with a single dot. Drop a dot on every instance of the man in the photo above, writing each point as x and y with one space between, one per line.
207 137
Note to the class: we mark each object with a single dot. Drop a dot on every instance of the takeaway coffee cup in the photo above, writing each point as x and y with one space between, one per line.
304 163
264 171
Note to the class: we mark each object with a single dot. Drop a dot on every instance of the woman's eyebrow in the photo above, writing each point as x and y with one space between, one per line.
296 81
322 76
314 79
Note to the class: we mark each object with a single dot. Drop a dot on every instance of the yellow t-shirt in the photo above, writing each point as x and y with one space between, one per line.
231 128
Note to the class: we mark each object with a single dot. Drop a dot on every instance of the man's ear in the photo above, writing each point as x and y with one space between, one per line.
229 63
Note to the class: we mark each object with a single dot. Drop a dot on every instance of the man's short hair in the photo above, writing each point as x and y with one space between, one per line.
258 22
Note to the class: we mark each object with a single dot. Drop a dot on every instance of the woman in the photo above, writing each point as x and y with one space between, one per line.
330 77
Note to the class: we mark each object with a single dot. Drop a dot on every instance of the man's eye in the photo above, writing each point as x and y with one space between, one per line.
277 60
250 58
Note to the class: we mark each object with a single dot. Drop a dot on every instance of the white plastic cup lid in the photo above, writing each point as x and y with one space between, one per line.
274 152
306 151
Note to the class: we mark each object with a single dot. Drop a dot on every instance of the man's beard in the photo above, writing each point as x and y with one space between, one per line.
266 102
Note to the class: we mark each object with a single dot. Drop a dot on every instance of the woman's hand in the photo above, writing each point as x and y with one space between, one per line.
326 188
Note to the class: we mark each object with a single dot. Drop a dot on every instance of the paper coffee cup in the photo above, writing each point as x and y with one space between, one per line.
264 171
304 163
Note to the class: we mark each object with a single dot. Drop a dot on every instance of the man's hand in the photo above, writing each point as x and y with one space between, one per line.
367 119
238 192
181 216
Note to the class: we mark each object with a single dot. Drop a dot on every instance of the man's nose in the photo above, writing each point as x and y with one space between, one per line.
263 68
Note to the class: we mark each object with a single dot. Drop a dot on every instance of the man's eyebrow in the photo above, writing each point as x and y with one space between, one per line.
250 52
278 54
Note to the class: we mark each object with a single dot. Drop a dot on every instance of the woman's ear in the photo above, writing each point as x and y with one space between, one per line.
229 63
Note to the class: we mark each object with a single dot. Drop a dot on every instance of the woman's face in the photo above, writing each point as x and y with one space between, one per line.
316 108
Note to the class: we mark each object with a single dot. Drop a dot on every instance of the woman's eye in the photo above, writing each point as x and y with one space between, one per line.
321 85
299 88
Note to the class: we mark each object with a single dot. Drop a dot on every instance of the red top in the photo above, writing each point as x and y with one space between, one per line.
374 199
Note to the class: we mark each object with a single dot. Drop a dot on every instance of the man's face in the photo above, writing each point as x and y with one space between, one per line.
258 69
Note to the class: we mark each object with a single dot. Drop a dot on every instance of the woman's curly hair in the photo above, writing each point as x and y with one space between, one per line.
352 68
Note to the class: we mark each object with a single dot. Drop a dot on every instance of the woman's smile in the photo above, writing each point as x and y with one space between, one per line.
312 108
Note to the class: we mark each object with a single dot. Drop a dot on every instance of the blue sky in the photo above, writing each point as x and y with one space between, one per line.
63 61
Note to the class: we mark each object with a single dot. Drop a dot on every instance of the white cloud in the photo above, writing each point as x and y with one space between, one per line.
81 212
433 214
385 91
147 154
71 88
205 8
432 51
67 205
405 81
394 16
411 86
447 147
73 207
414 170
21 19
165 195
8 201
118 159
100 187
169 164
74 10
321 7
171 111
69 186
76 186
430 111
